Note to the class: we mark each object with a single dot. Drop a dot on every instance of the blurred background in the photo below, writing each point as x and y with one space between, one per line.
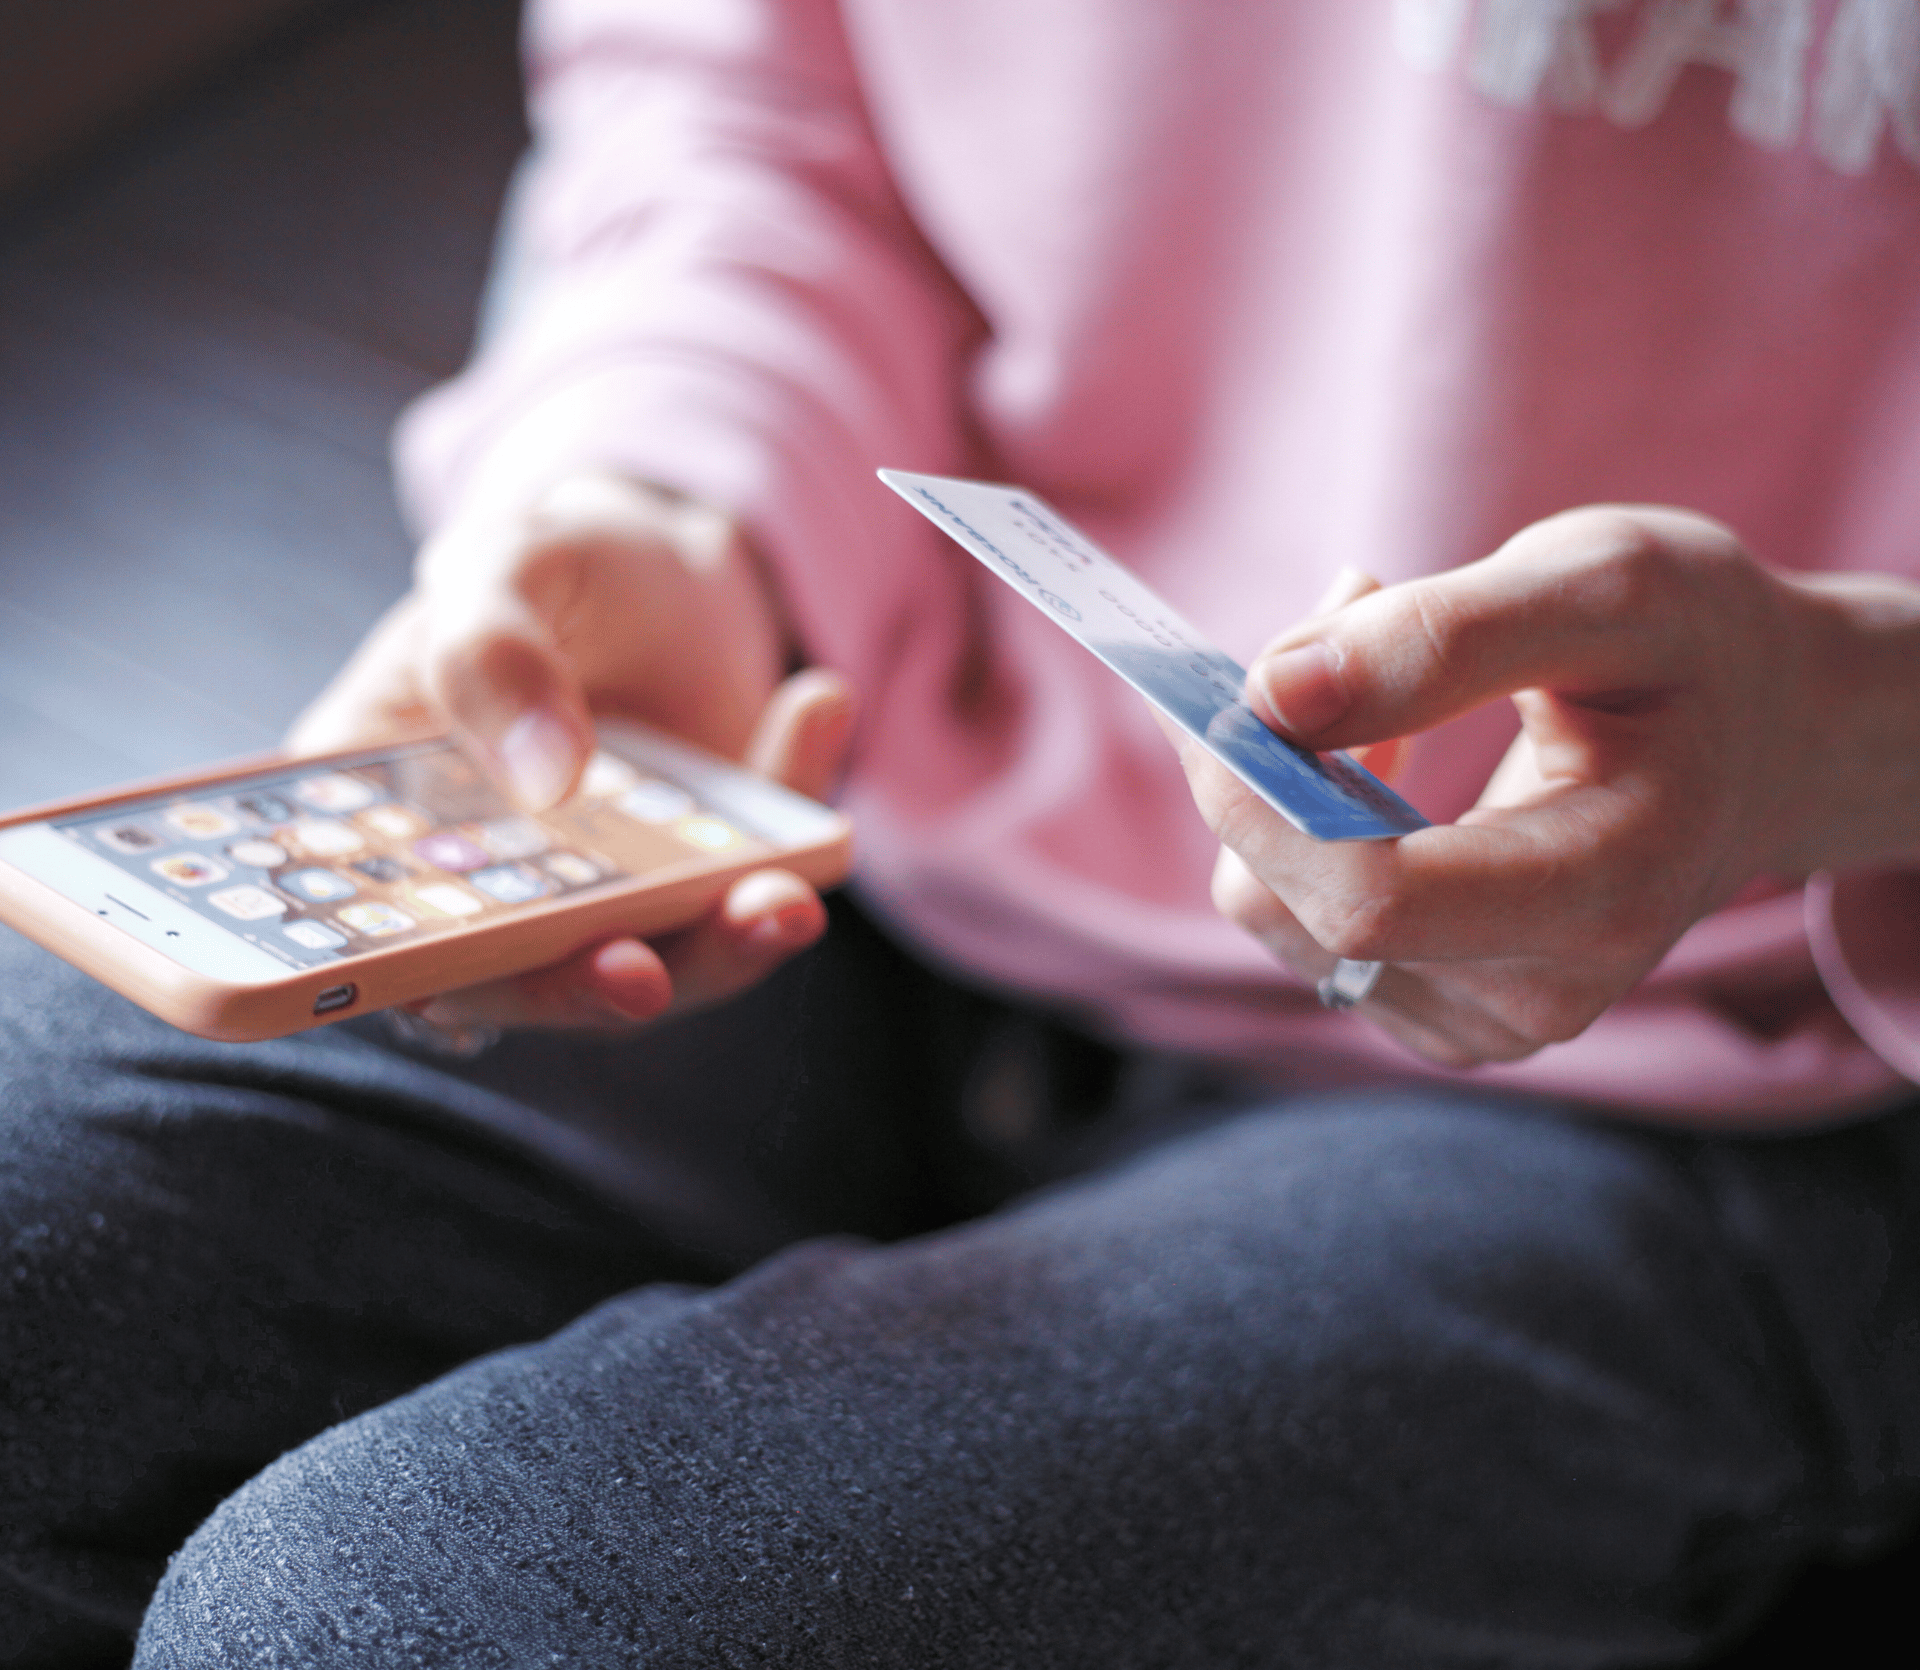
236 236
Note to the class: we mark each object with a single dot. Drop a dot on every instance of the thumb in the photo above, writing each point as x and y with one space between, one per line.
509 694
1592 603
804 732
1349 585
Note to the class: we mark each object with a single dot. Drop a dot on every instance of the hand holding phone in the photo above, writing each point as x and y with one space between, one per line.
765 917
537 607
542 602
252 902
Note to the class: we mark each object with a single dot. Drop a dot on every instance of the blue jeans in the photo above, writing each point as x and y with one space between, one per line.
872 1322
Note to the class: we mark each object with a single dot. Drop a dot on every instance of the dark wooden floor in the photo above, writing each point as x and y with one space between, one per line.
205 333
204 336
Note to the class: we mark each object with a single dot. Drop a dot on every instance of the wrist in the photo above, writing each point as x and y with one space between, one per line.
1859 713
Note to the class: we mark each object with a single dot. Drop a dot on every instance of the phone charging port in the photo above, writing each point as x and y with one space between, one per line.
335 997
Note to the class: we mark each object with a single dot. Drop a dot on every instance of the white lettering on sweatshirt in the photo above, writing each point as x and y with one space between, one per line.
1842 94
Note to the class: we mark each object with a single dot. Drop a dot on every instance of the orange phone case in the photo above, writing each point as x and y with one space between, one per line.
533 936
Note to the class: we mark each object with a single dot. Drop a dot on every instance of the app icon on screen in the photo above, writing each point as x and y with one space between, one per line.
129 838
656 802
394 822
189 869
325 837
511 884
249 903
199 822
335 792
264 808
448 900
382 869
315 936
571 869
322 887
606 776
448 851
257 854
511 838
375 921
708 834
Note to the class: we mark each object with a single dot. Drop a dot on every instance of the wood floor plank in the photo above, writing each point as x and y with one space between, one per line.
354 186
43 760
88 308
203 345
65 702
209 502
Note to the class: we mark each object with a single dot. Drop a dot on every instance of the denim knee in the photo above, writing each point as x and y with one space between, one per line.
1364 1378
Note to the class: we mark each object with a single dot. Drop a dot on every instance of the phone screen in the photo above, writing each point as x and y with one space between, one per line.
315 866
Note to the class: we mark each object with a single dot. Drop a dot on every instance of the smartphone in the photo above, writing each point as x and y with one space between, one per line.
252 901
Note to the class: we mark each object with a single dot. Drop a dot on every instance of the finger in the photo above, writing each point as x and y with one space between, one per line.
1246 901
1348 585
628 977
656 600
1442 1015
1567 877
1599 605
376 695
765 918
495 671
1386 760
612 984
1517 780
804 732
1440 1047
1441 1020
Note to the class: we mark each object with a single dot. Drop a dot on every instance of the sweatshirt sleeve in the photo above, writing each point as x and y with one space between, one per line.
1864 926
731 300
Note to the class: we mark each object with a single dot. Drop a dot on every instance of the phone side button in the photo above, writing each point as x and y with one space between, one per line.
335 997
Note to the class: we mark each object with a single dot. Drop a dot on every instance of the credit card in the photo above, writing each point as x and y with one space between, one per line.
1051 563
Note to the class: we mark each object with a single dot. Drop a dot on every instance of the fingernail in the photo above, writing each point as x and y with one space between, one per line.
1302 689
1346 586
781 927
538 755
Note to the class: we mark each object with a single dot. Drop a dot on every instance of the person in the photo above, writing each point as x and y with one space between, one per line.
1028 1269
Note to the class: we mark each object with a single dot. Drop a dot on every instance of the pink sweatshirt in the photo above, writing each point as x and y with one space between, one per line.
1250 291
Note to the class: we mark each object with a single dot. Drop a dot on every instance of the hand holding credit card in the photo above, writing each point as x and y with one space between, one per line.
1051 563
1642 792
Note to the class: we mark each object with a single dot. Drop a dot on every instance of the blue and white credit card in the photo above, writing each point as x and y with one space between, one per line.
1038 552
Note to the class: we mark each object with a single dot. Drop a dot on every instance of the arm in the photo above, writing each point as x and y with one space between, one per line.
1691 721
733 311
733 302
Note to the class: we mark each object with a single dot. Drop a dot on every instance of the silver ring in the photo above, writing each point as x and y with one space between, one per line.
1350 983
